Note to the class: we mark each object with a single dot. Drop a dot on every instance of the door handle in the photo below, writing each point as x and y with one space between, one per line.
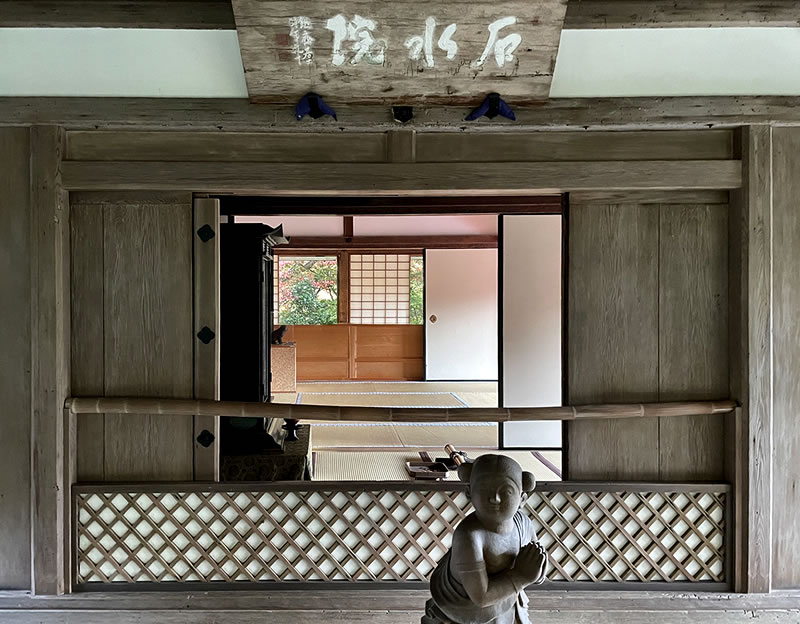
433 318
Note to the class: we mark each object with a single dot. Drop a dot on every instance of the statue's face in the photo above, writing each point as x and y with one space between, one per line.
496 498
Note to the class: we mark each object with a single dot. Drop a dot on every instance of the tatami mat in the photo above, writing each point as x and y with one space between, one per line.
381 399
390 465
370 435
397 386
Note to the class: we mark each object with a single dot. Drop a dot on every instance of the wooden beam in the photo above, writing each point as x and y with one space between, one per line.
367 206
52 458
390 242
226 115
183 14
175 407
217 14
582 14
422 179
206 315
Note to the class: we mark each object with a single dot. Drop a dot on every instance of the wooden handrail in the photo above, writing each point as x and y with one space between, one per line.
191 407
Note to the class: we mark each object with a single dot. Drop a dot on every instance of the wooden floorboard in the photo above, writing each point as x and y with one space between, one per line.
387 606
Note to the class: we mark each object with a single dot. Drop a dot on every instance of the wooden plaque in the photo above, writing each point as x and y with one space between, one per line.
399 52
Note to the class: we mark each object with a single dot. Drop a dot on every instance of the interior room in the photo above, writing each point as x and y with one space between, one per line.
393 310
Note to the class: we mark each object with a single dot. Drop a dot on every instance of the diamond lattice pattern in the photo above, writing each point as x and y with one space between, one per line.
384 535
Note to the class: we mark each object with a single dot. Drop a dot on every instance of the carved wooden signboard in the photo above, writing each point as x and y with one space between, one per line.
399 52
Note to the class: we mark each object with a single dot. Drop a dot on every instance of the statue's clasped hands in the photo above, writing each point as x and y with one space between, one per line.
531 563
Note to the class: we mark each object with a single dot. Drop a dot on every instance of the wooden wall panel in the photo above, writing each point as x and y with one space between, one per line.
648 320
148 336
348 352
786 354
612 343
388 342
693 336
87 281
15 359
580 146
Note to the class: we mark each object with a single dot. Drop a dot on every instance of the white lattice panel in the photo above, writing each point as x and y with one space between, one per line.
383 535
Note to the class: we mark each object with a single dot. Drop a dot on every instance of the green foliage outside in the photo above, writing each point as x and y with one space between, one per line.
308 291
417 290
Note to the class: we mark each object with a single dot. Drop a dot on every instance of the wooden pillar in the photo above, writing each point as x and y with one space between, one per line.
206 335
15 354
51 430
750 429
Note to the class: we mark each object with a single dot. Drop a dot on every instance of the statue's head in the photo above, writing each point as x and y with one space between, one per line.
498 487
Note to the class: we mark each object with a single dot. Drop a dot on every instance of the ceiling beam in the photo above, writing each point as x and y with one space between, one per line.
217 14
395 206
391 242
239 115
590 14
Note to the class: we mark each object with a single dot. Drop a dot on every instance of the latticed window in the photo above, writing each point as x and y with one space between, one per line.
386 289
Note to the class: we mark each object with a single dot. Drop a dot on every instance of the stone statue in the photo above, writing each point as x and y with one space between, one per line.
494 556
277 335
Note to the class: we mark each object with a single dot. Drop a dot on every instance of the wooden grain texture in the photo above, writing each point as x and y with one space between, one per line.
401 146
382 616
693 336
612 341
87 375
206 314
566 146
650 197
217 14
50 327
148 336
214 146
679 14
277 178
184 14
238 115
752 364
15 359
786 354
283 61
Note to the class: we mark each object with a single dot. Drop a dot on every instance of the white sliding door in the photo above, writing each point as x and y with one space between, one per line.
461 314
532 325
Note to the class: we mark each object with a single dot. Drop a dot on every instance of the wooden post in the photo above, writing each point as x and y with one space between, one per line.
751 362
52 459
206 330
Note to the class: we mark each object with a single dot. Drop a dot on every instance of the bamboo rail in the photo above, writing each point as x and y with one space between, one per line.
192 407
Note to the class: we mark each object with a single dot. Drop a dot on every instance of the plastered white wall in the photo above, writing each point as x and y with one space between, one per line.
300 226
434 225
591 63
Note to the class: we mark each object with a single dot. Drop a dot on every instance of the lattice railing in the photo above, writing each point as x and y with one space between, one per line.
189 533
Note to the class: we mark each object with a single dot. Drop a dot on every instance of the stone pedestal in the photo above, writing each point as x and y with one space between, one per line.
283 364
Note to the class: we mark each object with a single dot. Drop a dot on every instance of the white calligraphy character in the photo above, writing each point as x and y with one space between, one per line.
302 41
417 44
359 31
503 48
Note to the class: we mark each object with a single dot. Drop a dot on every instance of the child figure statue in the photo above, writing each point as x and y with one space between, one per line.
494 556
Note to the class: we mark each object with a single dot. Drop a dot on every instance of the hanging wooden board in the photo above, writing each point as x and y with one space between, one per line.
399 52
